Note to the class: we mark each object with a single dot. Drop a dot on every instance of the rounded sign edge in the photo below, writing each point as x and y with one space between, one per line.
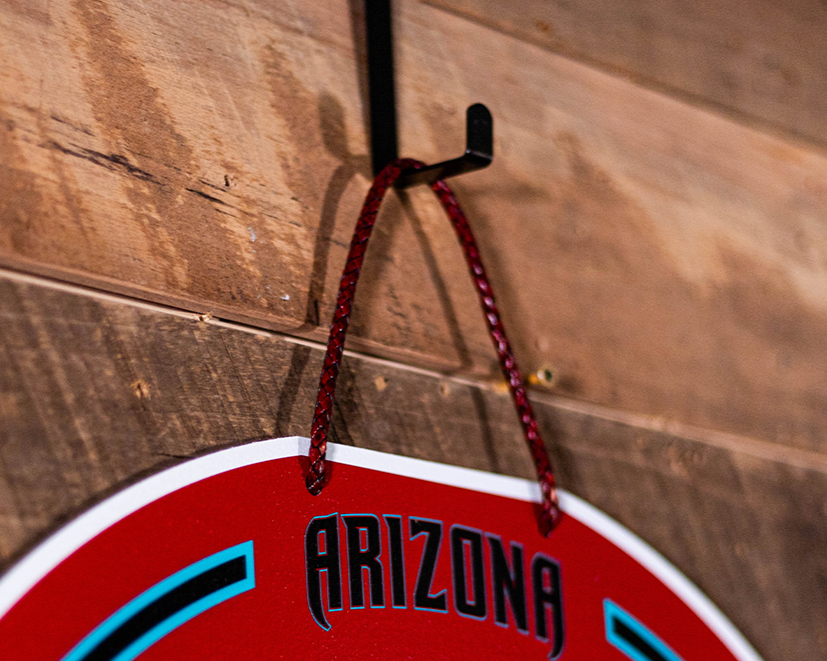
62 543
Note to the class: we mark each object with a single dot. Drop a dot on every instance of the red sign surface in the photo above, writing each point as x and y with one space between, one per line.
228 557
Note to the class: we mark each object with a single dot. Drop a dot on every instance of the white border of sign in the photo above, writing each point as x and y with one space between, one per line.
45 557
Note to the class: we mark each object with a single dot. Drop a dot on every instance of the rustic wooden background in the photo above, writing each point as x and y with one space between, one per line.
178 184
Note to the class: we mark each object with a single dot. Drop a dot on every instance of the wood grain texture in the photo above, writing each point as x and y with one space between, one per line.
211 155
760 61
96 394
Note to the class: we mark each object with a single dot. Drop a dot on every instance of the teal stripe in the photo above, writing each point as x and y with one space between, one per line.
614 613
157 591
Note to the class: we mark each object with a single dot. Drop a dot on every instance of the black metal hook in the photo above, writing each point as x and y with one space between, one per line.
479 149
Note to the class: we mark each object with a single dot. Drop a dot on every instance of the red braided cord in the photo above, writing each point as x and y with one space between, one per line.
550 513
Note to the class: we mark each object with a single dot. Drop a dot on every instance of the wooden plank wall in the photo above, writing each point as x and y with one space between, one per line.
758 61
178 183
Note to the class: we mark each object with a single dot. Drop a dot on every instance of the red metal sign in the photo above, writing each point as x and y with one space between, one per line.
228 557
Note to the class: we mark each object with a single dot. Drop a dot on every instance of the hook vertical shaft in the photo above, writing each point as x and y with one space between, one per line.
383 132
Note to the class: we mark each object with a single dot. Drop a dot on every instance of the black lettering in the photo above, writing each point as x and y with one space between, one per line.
318 561
505 580
545 580
358 557
423 599
397 561
460 539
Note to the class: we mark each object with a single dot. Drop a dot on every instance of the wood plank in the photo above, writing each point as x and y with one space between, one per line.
656 255
96 393
759 61
211 155
150 150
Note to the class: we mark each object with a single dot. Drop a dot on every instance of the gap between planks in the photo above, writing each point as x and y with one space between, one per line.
765 450
696 100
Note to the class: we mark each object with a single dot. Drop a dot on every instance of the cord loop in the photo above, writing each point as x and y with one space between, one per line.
315 479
